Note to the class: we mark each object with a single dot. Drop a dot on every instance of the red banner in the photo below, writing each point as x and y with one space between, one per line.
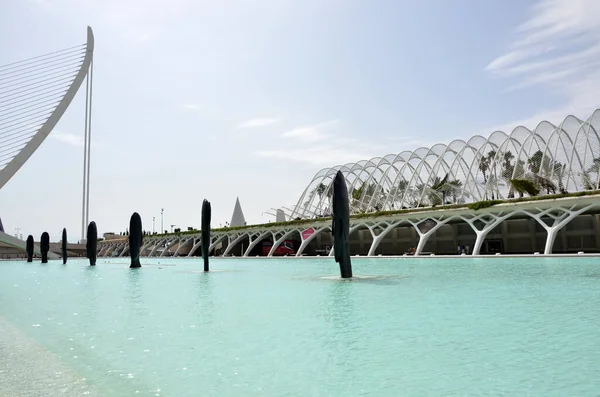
307 233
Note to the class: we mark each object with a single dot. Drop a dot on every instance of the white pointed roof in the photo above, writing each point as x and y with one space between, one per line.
237 218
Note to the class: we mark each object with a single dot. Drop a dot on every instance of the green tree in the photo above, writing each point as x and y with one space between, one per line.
534 163
398 191
320 189
523 186
507 170
591 175
484 166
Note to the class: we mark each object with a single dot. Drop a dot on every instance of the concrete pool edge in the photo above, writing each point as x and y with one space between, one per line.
589 255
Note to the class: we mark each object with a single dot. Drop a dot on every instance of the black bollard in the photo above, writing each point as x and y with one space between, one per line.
45 246
341 225
205 226
92 242
64 246
135 239
29 248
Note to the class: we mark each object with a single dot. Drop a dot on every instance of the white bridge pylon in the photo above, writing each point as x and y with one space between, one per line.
34 94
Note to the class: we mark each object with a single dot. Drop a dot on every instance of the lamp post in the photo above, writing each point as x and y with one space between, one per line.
161 220
153 219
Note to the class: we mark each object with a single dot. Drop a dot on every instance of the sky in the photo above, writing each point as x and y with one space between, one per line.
198 99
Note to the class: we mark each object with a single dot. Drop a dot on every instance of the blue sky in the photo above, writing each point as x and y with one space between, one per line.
219 99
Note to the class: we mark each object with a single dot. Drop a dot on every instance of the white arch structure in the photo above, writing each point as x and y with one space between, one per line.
34 94
552 215
566 156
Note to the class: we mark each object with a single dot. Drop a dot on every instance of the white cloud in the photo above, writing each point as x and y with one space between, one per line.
326 155
556 49
192 106
311 133
258 122
71 139
345 150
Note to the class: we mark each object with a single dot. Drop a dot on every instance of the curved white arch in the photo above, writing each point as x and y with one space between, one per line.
568 151
11 168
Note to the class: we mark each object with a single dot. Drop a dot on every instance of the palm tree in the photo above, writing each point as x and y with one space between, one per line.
534 163
507 171
455 187
484 165
589 182
320 189
559 174
447 188
493 176
398 191
437 187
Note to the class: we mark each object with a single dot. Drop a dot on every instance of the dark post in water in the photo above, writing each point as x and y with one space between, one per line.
92 242
45 246
64 246
29 248
205 226
340 225
135 239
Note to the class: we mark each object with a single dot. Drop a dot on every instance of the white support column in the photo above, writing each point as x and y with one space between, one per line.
352 229
181 244
488 226
255 238
424 237
236 240
377 239
196 245
216 240
278 241
559 221
305 242
157 244
169 245
145 247
125 246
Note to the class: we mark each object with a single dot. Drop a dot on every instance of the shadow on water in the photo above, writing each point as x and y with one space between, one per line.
134 292
341 338
340 305
90 284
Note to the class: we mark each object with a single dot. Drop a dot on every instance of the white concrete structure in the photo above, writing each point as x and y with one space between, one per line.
512 223
564 157
552 158
14 242
34 94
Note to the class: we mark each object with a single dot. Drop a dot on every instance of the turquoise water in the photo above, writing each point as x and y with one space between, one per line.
426 327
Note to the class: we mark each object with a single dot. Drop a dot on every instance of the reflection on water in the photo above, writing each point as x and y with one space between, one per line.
205 305
274 328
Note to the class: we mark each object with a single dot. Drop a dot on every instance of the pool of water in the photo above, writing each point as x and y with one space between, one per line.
420 327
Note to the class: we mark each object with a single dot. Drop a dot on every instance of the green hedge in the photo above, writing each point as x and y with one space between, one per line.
483 204
474 206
